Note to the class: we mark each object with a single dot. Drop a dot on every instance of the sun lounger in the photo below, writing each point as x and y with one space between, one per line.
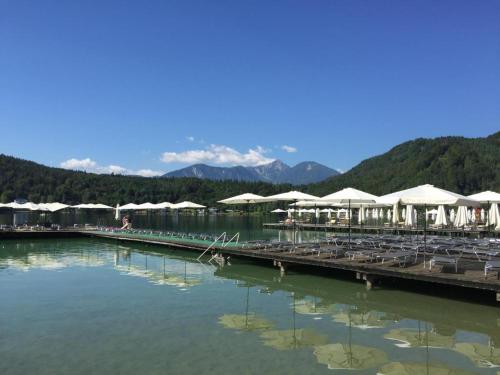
492 266
442 260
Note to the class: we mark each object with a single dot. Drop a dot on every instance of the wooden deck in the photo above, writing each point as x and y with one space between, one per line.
470 275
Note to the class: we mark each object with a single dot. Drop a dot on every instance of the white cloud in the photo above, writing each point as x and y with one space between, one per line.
218 154
190 138
90 165
78 164
289 149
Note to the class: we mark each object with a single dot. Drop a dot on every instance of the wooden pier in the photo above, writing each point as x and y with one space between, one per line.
469 276
369 272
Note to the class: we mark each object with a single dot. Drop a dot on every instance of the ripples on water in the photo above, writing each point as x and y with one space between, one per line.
89 306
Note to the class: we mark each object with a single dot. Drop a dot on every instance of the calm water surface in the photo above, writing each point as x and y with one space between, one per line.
97 307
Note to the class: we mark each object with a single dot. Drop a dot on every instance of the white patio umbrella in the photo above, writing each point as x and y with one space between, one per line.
452 215
29 206
409 218
129 206
147 206
395 213
93 206
278 211
54 206
441 216
428 195
186 205
473 216
493 215
246 198
163 205
349 195
294 196
486 197
461 217
361 216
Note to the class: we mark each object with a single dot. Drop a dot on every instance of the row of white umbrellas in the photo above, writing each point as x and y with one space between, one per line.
160 206
56 206
423 195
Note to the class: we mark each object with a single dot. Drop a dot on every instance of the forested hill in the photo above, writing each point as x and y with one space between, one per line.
25 179
462 165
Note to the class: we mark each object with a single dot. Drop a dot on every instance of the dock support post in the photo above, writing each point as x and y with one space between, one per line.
370 281
498 297
282 266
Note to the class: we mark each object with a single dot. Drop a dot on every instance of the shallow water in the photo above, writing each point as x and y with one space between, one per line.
84 306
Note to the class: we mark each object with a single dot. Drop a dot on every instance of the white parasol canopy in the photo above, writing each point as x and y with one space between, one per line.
349 195
244 199
25 206
147 206
163 205
278 211
291 196
186 204
486 197
97 206
55 206
129 206
427 194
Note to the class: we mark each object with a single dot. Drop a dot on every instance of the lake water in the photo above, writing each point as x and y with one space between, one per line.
249 227
88 306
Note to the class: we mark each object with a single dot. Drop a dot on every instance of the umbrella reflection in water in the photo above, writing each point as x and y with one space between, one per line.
245 322
349 356
293 338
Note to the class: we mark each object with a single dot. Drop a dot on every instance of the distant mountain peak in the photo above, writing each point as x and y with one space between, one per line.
275 172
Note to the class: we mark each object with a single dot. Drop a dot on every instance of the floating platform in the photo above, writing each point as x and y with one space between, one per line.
468 277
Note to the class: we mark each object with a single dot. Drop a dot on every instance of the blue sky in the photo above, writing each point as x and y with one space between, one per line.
152 86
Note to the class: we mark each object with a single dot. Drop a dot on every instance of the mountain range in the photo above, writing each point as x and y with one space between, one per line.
275 172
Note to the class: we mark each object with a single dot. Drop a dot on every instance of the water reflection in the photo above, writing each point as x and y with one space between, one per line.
414 339
349 356
334 324
412 368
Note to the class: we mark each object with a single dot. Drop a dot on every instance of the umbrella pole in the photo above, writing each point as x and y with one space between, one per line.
425 231
248 220
293 226
349 214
